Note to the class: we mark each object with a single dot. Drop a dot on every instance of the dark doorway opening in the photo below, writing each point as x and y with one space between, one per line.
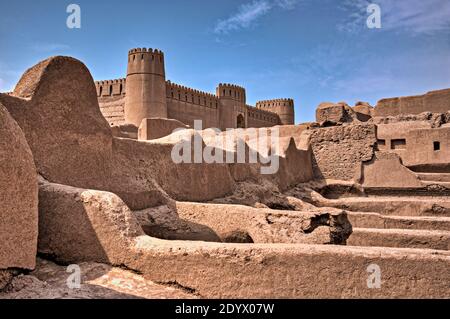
240 121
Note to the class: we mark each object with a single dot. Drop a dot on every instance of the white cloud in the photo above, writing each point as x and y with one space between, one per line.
50 47
286 4
413 16
364 75
248 13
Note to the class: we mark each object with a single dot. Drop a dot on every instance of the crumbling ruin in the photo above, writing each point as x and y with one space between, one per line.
362 186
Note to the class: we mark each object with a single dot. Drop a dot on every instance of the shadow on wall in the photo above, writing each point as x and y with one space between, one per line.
60 208
165 223
316 168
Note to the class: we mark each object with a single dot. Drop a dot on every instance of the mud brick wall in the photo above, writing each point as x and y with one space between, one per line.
434 101
339 151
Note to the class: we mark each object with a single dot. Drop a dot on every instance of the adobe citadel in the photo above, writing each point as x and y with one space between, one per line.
145 93
87 178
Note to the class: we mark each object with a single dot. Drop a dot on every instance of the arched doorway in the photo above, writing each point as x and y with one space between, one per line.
240 123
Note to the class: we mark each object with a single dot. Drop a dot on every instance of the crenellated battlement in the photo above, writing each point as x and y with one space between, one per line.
275 103
283 107
146 85
145 50
189 95
262 111
145 54
262 115
233 86
107 82
146 61
111 87
231 91
149 95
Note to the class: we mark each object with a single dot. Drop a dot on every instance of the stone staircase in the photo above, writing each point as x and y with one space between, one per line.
434 177
381 230
416 220
400 238
442 179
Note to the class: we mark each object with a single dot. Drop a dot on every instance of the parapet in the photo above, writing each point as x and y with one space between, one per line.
189 95
268 104
145 50
262 115
143 60
231 91
114 87
283 107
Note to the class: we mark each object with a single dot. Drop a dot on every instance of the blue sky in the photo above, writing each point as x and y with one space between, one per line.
311 50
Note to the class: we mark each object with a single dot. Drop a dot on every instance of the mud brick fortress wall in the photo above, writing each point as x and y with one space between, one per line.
111 97
145 93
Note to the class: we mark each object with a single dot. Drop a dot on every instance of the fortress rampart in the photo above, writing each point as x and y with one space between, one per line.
187 105
260 117
232 111
111 97
147 61
146 86
231 92
145 93
111 88
283 107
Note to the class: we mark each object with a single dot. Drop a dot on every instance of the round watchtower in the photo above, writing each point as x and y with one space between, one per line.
283 107
231 92
146 86
232 111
